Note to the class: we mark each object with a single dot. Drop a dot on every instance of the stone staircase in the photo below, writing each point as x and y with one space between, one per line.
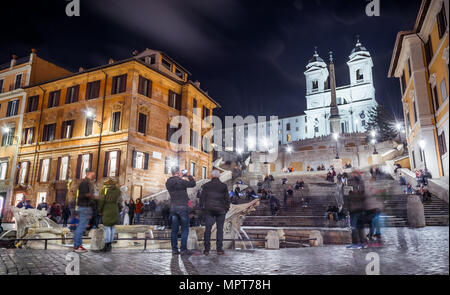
320 194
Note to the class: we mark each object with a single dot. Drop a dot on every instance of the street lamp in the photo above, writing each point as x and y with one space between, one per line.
373 133
7 130
91 116
336 137
374 141
289 149
398 126
422 145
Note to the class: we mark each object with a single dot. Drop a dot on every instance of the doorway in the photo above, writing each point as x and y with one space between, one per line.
137 192
61 196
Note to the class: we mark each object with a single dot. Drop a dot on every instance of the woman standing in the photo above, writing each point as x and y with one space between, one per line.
139 206
131 210
108 207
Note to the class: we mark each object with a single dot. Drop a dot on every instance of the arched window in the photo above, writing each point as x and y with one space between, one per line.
359 75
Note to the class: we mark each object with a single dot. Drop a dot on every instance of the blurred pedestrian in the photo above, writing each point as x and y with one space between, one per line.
109 206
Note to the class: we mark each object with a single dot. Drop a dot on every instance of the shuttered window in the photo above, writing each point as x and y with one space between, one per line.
93 90
142 123
49 132
7 138
13 108
174 100
140 160
145 86
119 84
442 144
32 103
67 129
115 124
442 22
88 127
53 99
27 135
72 94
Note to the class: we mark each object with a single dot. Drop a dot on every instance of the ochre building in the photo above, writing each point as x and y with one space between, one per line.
114 119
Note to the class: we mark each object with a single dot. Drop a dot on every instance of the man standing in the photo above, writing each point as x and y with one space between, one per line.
84 195
216 203
179 209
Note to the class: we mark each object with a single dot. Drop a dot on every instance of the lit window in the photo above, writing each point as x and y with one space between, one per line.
85 164
45 170
139 160
23 172
64 166
112 164
193 168
204 172
3 170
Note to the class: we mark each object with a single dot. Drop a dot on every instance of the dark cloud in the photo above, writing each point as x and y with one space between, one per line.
249 55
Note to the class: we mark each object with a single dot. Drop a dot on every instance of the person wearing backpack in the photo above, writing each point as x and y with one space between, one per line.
109 206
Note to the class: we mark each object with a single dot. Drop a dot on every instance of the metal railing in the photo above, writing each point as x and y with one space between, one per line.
233 241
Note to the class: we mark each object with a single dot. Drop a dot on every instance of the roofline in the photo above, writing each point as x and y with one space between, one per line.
122 62
175 62
425 5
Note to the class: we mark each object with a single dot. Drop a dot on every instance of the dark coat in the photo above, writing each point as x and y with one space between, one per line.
108 205
214 197
177 188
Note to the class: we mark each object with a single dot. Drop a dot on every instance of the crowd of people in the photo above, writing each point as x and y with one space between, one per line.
111 207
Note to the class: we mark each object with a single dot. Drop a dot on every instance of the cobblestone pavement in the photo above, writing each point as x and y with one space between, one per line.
406 251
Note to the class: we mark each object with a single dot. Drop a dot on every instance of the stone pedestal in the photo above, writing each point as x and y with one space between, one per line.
125 243
416 214
272 240
192 242
97 239
318 242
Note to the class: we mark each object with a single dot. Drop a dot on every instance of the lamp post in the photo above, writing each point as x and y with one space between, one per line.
373 133
91 116
422 145
336 137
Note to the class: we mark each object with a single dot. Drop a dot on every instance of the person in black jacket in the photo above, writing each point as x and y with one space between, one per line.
179 209
215 202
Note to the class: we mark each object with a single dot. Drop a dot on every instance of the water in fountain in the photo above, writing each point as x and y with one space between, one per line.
240 237
248 238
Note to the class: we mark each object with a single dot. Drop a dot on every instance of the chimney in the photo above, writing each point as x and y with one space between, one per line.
81 69
197 83
111 61
13 60
33 54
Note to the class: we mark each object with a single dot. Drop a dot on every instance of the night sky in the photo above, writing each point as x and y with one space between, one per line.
249 55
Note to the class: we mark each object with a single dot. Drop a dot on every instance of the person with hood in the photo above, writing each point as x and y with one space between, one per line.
109 206
179 209
215 202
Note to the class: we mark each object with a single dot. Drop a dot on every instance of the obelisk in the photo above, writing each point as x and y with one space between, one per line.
335 120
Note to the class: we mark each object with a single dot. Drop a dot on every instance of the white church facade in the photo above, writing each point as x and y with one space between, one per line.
354 101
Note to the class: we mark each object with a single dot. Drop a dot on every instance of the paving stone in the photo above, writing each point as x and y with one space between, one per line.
406 251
